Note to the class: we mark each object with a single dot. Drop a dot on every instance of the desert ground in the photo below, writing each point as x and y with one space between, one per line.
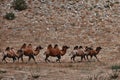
63 22
66 70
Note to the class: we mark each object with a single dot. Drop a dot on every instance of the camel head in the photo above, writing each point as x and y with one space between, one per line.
98 48
7 49
39 48
76 47
64 49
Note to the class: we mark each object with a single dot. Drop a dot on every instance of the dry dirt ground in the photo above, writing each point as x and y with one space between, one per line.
66 70
65 22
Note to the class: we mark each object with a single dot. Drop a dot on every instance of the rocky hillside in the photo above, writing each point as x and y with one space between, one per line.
71 22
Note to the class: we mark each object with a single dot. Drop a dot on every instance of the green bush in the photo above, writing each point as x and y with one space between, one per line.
19 5
115 73
115 67
10 16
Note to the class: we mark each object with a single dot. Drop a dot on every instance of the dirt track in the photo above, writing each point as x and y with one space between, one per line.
56 71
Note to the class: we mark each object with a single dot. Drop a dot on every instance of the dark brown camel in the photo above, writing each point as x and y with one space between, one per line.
55 52
10 53
92 53
78 51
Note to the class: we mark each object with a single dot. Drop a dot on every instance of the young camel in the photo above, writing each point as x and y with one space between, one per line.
28 51
92 53
78 52
55 52
10 53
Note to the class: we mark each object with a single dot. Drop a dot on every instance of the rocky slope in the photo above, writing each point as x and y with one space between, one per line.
65 22
70 22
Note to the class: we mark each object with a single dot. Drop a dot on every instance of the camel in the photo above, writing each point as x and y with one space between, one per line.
92 53
10 53
78 51
20 52
28 51
55 52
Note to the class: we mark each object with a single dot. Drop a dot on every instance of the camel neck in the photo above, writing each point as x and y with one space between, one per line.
63 52
36 52
98 51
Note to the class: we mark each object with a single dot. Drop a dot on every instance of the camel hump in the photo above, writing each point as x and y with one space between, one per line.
49 46
76 47
56 46
28 50
29 46
80 51
23 46
12 50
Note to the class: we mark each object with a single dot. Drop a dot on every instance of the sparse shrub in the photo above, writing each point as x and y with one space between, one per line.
19 5
115 67
10 16
35 76
114 75
3 71
117 2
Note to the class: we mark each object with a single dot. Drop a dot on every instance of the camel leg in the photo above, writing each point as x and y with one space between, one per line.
59 57
4 59
29 59
14 59
96 57
34 59
82 58
91 56
22 59
87 57
46 59
18 59
73 58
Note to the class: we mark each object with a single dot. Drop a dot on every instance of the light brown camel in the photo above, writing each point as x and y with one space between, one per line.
78 51
55 52
10 53
30 52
